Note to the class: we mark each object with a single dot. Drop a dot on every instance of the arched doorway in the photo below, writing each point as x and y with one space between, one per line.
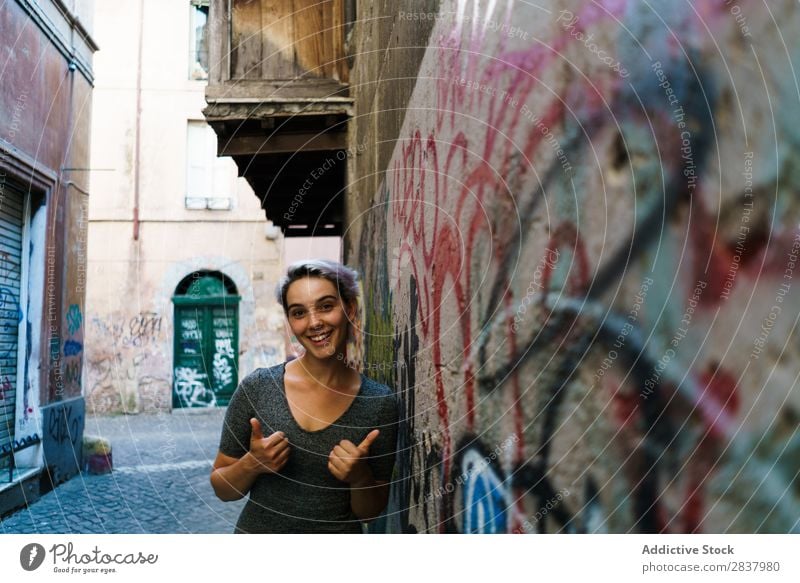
206 362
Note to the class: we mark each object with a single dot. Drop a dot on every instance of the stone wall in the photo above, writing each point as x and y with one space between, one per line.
578 232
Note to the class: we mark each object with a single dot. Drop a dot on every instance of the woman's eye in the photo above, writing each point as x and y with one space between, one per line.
297 314
327 307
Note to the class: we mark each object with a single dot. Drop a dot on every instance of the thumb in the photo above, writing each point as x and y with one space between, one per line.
369 439
255 425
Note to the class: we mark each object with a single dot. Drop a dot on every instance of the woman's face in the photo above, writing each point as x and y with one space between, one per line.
317 316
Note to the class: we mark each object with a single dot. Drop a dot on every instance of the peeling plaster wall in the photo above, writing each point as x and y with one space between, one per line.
581 254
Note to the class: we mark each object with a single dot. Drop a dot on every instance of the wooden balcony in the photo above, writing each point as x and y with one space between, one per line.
279 101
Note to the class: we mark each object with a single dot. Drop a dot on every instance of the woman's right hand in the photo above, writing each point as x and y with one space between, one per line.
271 453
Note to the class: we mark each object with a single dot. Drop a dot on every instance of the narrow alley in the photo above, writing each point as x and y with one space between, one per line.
159 484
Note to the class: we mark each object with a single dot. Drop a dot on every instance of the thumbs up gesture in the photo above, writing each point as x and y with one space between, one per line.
271 452
347 461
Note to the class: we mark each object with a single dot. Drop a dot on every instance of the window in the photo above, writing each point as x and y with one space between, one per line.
210 181
198 40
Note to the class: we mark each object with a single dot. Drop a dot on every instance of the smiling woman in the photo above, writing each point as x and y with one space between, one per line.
312 441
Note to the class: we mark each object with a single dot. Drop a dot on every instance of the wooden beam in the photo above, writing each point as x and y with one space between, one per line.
218 43
257 91
282 143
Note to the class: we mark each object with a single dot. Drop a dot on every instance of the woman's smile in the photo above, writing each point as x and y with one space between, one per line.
317 316
321 339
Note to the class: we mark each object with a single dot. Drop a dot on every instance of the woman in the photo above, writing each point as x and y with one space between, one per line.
312 440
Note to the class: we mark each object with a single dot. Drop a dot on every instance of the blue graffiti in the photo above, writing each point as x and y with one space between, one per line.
10 312
190 346
484 496
71 348
74 319
10 305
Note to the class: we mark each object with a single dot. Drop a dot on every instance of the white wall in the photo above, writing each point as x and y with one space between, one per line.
129 279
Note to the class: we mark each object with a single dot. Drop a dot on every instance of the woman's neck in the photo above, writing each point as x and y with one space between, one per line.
331 372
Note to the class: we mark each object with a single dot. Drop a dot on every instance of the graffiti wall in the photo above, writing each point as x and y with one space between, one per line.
128 362
131 363
582 247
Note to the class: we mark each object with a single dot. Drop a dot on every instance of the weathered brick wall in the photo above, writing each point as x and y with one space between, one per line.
579 258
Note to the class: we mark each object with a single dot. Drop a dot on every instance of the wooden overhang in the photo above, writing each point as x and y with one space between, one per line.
292 151
278 99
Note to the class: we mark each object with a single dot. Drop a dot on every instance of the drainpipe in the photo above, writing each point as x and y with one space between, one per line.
137 146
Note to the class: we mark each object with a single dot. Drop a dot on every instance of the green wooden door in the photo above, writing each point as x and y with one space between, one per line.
206 363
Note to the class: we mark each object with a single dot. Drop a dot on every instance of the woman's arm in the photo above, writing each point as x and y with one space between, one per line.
233 477
368 500
347 462
369 497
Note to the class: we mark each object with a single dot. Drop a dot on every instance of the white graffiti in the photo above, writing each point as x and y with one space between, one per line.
191 388
224 347
190 335
223 373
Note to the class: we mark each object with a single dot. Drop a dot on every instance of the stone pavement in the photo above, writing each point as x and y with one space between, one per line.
159 484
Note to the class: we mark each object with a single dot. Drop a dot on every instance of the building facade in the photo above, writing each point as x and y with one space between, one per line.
182 261
45 112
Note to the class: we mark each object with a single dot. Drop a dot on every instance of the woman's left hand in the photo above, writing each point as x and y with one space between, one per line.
347 461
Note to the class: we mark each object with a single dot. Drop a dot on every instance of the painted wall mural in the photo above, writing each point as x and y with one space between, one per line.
588 236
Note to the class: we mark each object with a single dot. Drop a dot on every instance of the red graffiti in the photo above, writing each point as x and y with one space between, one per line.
427 182
454 198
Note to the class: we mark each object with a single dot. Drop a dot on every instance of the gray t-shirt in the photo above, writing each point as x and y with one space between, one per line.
305 497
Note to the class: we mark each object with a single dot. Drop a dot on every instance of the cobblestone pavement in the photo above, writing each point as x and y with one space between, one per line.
159 484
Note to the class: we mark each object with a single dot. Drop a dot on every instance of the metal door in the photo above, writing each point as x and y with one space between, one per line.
12 202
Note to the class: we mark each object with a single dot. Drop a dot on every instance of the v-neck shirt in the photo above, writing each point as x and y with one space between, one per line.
304 496
337 420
